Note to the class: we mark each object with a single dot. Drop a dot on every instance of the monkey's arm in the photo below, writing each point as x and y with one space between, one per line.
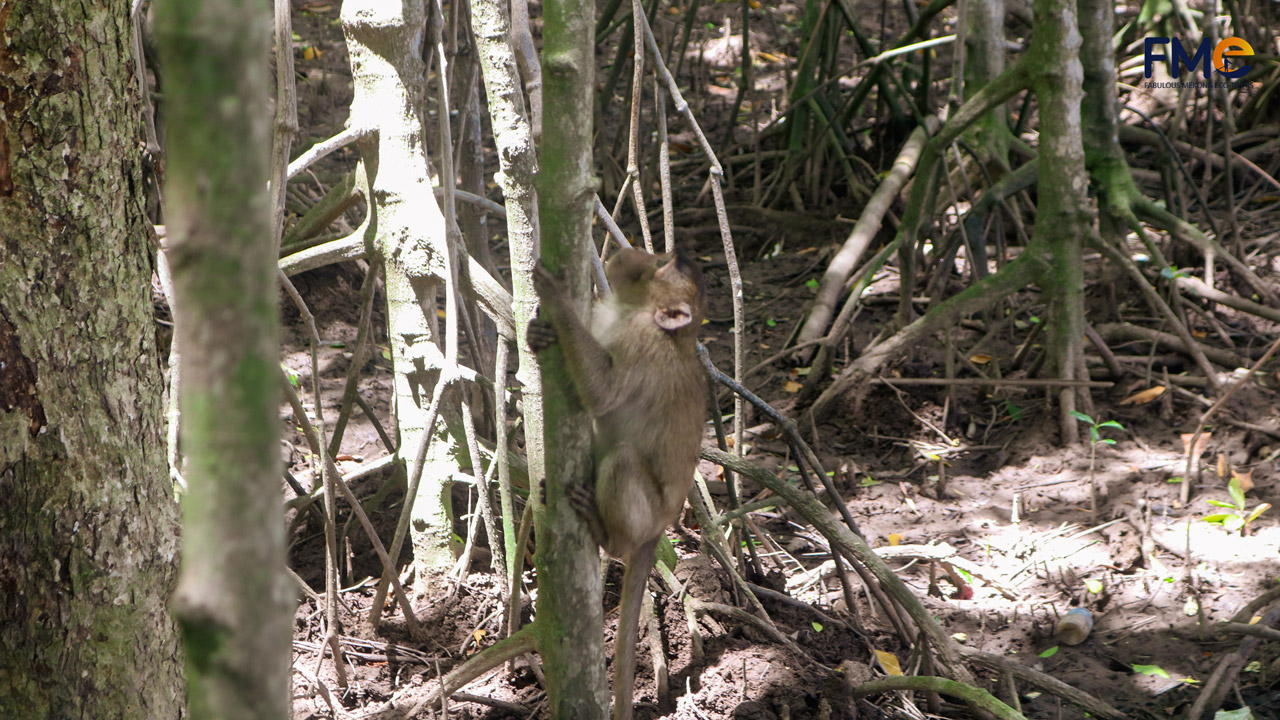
590 365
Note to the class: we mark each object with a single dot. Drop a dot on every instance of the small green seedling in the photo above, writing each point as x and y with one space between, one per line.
1095 439
1152 670
1238 520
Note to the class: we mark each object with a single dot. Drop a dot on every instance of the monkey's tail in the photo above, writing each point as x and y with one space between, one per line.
624 657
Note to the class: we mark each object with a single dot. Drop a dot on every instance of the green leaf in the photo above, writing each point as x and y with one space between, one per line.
811 283
1217 518
771 322
1219 503
1015 412
1176 480
1155 670
1256 512
1111 423
1107 441
868 481
817 626
1232 523
1093 586
1243 713
1050 652
1236 492
1081 417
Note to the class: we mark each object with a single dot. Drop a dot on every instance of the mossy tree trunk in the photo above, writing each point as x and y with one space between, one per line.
88 521
233 602
569 602
983 62
1064 212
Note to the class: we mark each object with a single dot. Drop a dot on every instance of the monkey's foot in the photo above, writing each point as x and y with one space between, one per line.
582 499
541 335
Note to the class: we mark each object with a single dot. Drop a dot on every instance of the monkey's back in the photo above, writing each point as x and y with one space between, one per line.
658 416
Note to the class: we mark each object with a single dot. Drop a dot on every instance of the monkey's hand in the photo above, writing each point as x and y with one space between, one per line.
542 334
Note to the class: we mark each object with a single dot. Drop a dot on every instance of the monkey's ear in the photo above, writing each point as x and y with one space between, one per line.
673 317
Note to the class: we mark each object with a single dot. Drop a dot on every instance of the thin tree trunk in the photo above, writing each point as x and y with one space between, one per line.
569 600
232 601
1064 210
88 522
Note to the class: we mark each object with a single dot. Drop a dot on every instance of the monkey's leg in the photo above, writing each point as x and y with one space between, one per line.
624 655
583 500
628 500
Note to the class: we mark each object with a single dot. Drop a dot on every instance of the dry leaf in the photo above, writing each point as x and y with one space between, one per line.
980 359
792 386
1144 396
1200 445
889 662
1245 477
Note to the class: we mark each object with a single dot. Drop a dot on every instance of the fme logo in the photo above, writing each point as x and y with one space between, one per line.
1230 47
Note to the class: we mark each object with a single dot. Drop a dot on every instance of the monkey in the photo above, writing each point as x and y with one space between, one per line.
637 374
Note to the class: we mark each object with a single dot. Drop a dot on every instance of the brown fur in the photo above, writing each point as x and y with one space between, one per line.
638 375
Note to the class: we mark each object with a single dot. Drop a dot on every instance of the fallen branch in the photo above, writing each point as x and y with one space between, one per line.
976 698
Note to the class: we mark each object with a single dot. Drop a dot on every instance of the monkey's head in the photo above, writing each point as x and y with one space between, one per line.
674 289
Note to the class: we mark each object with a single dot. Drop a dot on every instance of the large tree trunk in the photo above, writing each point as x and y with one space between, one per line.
88 522
407 234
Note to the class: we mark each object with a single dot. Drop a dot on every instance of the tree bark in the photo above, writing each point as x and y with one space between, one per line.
1063 211
233 602
569 602
385 41
88 524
